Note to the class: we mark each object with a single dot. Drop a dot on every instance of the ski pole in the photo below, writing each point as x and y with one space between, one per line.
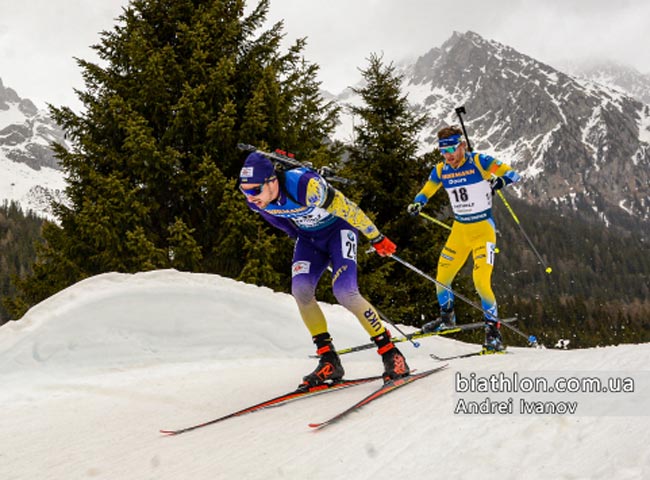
434 220
401 332
539 257
390 322
443 224
461 110
532 340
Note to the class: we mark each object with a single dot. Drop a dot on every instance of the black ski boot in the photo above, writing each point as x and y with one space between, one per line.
493 340
395 365
329 370
447 319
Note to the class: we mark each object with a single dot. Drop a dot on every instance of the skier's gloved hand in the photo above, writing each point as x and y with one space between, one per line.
414 208
497 183
383 246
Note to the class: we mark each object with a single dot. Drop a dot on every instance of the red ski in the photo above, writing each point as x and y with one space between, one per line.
279 400
386 388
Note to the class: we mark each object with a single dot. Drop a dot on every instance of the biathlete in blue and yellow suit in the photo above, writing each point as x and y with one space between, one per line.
325 225
470 180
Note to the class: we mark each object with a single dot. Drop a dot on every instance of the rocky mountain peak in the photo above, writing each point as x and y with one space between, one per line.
31 174
578 144
26 132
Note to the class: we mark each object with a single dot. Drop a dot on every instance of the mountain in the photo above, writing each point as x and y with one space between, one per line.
91 374
31 175
622 77
579 145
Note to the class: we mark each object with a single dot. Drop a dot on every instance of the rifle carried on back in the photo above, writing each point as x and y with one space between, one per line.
286 161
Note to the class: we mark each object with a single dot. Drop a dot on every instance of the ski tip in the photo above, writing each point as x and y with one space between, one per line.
315 425
169 433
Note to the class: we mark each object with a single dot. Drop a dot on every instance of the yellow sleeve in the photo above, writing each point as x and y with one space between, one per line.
349 211
489 166
432 186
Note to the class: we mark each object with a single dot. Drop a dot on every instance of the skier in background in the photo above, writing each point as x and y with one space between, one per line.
470 180
325 225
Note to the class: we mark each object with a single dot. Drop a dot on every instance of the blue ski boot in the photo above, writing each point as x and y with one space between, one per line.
446 320
493 341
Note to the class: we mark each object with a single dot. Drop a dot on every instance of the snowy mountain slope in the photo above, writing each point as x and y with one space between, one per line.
30 173
578 144
31 189
621 77
91 374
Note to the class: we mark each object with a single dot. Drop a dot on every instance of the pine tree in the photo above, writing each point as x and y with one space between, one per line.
152 171
20 235
388 173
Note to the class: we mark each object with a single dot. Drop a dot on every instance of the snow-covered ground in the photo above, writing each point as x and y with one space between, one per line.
90 375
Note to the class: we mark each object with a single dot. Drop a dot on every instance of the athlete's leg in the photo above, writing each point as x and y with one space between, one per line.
453 256
483 254
343 249
308 265
343 253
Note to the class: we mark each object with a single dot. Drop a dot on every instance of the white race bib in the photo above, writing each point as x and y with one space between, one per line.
468 199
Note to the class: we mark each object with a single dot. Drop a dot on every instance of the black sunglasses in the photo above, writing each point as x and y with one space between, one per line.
255 191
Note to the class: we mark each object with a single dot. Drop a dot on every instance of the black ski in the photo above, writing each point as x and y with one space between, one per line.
467 355
383 390
420 334
279 400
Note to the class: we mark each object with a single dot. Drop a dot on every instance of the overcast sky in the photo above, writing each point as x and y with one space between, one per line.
38 38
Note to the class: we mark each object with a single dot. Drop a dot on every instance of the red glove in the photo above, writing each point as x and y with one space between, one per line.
384 246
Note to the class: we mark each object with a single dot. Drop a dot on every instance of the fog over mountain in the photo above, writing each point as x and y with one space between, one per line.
615 75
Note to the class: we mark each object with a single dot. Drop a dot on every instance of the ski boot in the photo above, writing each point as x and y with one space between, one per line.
329 370
493 341
446 320
395 365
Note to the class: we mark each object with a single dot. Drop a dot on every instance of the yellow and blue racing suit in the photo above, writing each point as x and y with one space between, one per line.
474 230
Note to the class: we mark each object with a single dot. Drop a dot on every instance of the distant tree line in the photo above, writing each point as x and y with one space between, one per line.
153 170
20 233
598 292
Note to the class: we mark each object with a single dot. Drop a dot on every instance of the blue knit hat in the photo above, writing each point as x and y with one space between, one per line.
257 169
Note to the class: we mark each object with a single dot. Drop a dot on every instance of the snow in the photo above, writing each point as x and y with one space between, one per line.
418 94
90 375
537 167
11 115
593 132
621 204
20 183
644 124
33 189
551 75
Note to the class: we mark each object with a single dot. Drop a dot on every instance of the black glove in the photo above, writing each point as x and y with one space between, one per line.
497 183
414 208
